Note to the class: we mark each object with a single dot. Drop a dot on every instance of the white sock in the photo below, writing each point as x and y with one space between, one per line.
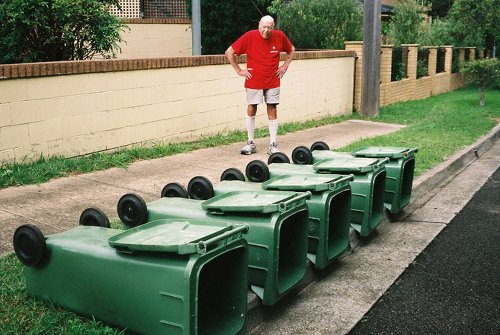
250 123
273 131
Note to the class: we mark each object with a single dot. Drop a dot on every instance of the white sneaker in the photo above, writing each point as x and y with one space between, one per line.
273 148
248 149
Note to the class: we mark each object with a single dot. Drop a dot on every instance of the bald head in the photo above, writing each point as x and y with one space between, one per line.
266 26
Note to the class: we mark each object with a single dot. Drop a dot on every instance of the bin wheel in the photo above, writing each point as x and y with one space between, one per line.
132 210
257 171
301 155
174 190
278 157
232 174
200 188
95 217
320 145
29 245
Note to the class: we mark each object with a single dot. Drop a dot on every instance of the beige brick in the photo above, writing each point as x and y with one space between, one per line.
45 131
5 116
28 111
13 90
14 136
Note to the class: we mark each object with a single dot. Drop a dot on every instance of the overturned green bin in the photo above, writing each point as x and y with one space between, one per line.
165 277
399 171
329 210
367 187
277 235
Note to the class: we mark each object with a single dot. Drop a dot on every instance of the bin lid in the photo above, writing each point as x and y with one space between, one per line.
378 152
251 201
169 235
346 165
304 182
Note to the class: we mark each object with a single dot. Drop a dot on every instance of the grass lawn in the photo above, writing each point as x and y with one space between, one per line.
439 126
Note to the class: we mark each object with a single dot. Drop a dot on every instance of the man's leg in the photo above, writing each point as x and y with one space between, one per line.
272 116
250 147
250 121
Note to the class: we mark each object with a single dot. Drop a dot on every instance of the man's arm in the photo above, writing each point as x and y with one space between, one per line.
283 68
230 56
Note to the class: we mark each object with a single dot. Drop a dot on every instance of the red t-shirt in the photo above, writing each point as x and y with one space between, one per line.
262 57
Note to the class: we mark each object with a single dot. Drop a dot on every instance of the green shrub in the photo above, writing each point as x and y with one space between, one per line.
321 24
482 73
54 30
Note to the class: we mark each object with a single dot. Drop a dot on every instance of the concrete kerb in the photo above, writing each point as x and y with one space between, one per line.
425 187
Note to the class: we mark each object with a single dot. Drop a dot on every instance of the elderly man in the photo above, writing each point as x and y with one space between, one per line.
262 75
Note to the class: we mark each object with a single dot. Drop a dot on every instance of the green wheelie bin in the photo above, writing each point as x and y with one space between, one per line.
367 187
165 277
277 235
399 171
329 210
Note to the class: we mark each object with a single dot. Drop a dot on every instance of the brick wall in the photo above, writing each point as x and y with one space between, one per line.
151 38
410 88
79 107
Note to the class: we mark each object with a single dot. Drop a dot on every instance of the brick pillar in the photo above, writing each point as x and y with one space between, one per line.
357 47
461 56
411 67
385 64
472 54
432 61
448 58
481 53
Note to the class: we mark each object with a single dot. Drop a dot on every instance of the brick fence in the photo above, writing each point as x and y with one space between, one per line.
411 88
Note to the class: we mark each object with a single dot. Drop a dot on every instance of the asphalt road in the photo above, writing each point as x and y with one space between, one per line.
453 286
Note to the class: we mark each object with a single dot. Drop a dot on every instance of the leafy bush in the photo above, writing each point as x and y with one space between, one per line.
483 73
54 30
406 25
320 24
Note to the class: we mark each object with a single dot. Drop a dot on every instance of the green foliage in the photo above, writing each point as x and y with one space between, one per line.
320 24
54 30
440 8
437 33
482 73
475 23
222 22
406 25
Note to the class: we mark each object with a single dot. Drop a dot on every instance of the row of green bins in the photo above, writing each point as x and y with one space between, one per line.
163 277
367 187
277 236
399 171
329 210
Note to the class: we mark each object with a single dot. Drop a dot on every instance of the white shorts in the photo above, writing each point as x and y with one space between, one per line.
270 96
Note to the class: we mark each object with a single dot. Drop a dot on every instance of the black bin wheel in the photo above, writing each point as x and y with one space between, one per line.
278 157
257 171
302 155
320 145
29 245
200 188
232 174
174 190
95 217
132 210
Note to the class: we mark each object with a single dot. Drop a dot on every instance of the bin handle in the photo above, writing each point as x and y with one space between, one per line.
202 246
333 184
382 162
283 206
